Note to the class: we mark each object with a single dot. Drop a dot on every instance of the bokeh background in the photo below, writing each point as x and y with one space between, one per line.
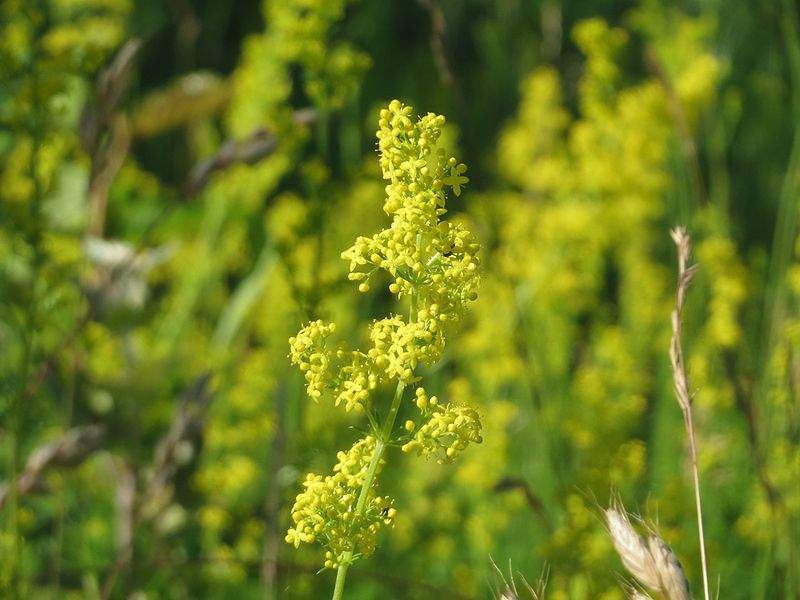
177 181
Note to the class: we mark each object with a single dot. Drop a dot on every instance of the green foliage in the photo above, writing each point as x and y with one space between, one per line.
176 190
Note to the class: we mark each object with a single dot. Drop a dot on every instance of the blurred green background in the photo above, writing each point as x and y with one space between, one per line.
177 181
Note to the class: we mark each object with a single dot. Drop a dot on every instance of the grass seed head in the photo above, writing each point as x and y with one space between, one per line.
653 562
673 580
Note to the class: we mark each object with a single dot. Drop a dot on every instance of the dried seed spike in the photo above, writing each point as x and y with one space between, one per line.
632 548
670 571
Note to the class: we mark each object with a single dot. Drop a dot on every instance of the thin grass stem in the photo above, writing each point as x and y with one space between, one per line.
681 380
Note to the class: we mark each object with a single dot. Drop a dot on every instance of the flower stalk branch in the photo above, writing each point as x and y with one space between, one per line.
377 456
432 262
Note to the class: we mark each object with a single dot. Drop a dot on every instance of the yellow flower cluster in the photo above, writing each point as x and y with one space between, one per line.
728 283
436 260
577 317
435 265
326 510
355 381
350 374
399 346
449 430
307 350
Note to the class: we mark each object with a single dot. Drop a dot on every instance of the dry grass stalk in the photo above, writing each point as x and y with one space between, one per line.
681 380
66 452
652 563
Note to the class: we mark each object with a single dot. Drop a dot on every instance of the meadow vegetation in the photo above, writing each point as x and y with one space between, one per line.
192 194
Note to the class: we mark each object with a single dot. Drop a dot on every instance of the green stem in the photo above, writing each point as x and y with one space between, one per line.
383 437
377 455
